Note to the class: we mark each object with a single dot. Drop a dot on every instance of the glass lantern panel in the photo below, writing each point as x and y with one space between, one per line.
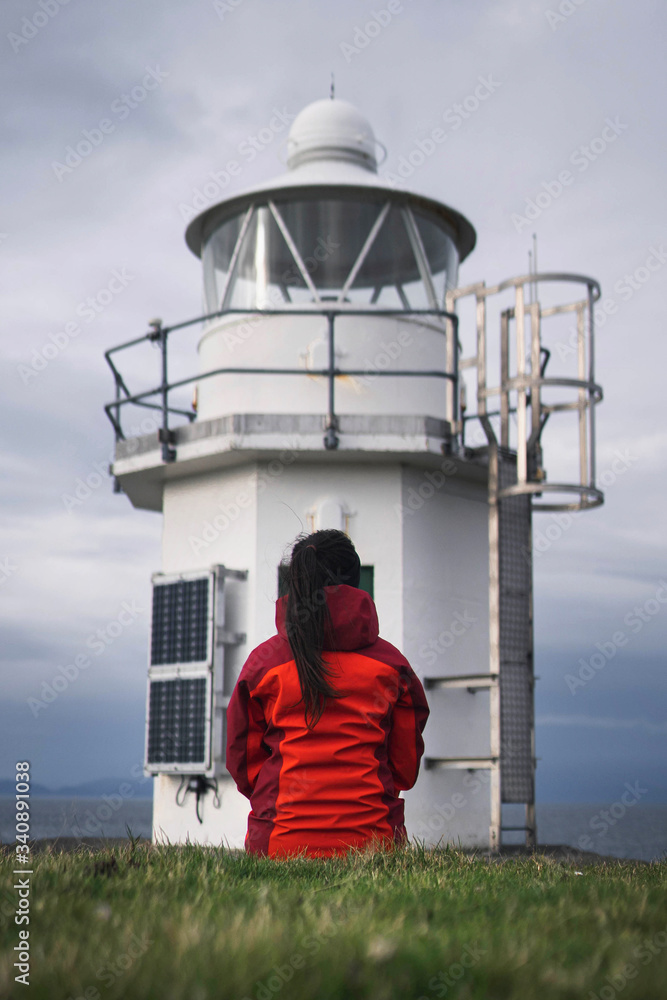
329 234
416 294
256 283
217 256
387 297
441 254
390 263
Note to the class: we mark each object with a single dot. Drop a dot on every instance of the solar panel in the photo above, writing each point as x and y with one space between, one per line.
181 625
177 725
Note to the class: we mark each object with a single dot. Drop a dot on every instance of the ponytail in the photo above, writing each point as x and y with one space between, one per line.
325 558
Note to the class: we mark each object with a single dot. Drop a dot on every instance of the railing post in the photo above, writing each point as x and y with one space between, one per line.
591 392
457 390
166 436
117 431
522 395
331 439
452 368
117 382
495 666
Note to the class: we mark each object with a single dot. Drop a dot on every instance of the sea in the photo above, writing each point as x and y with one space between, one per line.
640 833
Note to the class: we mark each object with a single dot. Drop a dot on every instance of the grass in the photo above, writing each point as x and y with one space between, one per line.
192 923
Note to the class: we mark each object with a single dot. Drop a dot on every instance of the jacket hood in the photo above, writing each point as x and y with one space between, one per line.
353 615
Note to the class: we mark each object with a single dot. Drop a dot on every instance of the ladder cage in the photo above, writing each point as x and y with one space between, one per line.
518 387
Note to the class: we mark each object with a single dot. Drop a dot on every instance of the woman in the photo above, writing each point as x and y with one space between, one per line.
324 725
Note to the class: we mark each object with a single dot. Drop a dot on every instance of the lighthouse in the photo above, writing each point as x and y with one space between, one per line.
344 379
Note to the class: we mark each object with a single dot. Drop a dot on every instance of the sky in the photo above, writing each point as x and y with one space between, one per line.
92 248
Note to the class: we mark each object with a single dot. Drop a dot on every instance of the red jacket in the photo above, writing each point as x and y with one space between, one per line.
335 786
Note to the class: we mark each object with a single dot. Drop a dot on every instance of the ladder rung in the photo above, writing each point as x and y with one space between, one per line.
461 680
464 763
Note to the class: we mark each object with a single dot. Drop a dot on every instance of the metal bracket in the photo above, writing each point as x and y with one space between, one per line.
167 438
469 681
224 637
224 573
331 439
463 763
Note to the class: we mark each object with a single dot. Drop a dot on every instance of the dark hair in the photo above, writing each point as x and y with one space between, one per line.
325 558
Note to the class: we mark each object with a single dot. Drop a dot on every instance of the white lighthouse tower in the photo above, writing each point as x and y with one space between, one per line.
336 386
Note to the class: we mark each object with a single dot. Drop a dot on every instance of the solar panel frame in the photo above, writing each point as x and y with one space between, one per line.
178 722
180 673
196 600
182 619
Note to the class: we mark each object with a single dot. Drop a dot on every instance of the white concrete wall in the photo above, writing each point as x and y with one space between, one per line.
450 807
209 520
286 508
247 518
445 573
431 580
366 343
446 615
224 825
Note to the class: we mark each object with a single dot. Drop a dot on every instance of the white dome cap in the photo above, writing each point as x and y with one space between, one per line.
331 130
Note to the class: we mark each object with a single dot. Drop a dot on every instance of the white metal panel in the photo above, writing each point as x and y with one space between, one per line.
446 614
450 807
445 574
459 723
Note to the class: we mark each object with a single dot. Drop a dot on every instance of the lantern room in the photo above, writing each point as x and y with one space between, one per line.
329 234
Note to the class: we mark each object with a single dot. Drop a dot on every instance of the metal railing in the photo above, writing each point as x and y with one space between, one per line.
159 334
526 384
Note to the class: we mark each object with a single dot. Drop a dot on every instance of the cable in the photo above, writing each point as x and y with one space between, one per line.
180 789
200 785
